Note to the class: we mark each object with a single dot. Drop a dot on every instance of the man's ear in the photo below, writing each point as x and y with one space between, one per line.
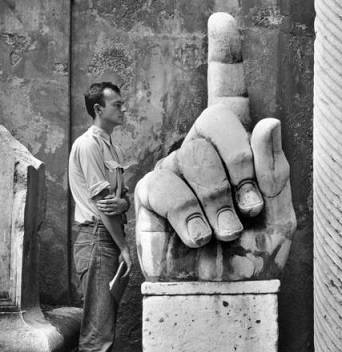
98 109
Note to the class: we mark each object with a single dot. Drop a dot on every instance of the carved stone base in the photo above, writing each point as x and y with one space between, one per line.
31 331
210 316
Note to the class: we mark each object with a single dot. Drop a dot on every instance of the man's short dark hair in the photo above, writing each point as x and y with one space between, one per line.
94 95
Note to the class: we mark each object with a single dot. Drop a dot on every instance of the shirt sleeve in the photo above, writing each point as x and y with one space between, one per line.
92 166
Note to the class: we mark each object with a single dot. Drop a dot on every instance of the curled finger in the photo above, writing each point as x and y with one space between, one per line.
169 197
224 131
201 167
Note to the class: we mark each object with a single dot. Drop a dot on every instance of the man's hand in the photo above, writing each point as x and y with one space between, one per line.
126 257
112 205
220 207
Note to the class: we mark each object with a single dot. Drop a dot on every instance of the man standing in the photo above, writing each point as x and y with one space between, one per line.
96 183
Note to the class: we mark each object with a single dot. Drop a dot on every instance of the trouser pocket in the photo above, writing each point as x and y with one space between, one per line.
82 257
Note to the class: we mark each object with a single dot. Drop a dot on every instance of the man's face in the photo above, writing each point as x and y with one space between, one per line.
114 110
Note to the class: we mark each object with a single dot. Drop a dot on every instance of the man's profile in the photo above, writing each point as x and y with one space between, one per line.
97 185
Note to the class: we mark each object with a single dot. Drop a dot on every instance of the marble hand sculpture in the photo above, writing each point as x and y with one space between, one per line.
219 208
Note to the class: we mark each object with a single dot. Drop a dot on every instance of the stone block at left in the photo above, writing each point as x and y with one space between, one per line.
23 326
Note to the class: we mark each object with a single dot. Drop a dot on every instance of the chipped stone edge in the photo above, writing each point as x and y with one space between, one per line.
210 288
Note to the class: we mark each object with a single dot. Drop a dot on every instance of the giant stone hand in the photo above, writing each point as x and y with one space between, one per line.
219 208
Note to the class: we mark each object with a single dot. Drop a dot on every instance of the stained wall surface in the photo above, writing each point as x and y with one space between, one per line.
278 47
34 107
156 51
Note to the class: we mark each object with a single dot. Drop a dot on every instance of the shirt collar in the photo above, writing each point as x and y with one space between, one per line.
100 132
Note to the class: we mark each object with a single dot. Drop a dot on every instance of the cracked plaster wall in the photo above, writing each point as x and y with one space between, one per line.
156 51
34 107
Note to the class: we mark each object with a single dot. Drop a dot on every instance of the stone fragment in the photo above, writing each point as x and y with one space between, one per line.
255 172
23 326
22 206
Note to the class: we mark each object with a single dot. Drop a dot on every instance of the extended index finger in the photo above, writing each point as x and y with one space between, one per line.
225 122
226 79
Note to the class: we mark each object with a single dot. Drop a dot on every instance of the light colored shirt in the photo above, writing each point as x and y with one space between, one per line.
95 164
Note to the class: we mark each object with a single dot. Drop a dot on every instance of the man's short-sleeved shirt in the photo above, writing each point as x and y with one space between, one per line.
94 165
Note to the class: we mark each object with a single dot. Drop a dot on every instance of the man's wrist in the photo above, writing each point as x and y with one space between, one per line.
124 206
124 248
128 203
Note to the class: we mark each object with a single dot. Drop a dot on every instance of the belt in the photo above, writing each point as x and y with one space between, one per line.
95 222
94 225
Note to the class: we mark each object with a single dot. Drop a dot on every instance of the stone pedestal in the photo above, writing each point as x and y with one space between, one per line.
210 316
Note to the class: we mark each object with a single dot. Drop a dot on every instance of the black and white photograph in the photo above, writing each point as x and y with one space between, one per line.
170 176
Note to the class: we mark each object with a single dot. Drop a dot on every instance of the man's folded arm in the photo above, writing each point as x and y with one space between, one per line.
113 224
91 161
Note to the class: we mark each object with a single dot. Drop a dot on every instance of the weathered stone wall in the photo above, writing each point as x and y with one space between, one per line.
157 51
34 107
278 48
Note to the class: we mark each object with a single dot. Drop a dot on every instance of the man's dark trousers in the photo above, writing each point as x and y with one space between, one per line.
96 258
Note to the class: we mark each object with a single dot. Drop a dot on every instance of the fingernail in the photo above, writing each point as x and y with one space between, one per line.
198 230
229 225
249 199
